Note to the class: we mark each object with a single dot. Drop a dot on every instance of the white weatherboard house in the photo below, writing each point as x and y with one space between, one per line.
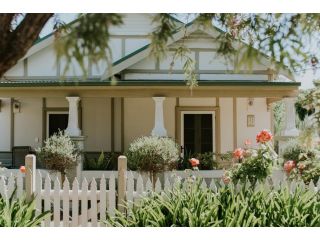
221 113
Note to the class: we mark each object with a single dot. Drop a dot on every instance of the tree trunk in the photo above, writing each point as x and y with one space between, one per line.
63 178
15 43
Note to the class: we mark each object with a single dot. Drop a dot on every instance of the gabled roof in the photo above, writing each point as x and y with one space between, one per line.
45 41
141 53
144 51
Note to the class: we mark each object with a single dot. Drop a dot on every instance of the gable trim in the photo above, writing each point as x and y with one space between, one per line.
144 51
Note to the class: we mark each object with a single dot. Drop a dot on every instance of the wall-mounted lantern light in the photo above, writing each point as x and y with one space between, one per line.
16 106
250 102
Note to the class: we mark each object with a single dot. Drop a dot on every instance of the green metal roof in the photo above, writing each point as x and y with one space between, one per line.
57 83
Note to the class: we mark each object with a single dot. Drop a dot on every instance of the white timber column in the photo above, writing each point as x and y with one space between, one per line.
74 132
290 130
290 119
73 129
159 129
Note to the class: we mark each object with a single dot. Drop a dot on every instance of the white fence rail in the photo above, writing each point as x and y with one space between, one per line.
86 203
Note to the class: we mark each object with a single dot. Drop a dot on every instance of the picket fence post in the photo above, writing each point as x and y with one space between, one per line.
122 182
30 165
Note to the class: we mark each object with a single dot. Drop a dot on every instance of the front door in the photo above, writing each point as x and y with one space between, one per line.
197 132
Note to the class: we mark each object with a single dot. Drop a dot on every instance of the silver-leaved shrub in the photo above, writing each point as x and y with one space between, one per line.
153 154
59 153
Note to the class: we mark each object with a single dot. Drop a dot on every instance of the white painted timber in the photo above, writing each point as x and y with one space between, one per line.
65 199
38 192
56 203
47 200
93 201
103 199
159 129
112 195
290 119
84 203
73 122
43 63
75 203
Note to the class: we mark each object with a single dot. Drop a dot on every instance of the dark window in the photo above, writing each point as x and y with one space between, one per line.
57 122
197 133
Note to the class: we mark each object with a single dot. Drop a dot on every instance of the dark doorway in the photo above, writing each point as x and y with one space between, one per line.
57 122
197 133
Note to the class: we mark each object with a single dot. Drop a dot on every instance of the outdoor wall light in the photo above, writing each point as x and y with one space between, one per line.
250 102
16 106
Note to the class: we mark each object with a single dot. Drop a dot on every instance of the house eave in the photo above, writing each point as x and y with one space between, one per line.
204 83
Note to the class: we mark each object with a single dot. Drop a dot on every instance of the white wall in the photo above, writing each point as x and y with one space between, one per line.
28 123
57 102
43 63
192 101
17 70
262 119
139 118
134 24
117 125
5 124
96 123
226 124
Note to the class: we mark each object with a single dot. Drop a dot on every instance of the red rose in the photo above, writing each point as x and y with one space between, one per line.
194 162
238 153
264 136
22 169
289 165
248 142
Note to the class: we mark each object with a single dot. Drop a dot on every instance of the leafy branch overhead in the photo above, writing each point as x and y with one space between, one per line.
288 40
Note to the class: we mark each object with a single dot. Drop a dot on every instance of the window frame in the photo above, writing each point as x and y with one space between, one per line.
47 119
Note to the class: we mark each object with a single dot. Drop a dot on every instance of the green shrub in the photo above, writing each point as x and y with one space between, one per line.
58 154
19 213
105 161
306 171
295 151
208 160
201 207
153 154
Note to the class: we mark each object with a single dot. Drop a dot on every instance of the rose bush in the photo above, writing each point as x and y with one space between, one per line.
255 163
301 162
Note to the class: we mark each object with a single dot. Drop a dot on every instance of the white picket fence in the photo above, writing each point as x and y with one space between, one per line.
86 203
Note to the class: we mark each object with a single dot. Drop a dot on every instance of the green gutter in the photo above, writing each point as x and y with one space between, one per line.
145 83
52 33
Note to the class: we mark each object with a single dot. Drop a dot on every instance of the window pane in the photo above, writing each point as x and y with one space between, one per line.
189 120
57 122
197 133
206 121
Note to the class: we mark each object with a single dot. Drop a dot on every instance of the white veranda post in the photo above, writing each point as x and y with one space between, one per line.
74 132
73 122
159 129
290 129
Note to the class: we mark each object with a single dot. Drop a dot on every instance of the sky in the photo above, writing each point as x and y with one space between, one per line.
306 78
